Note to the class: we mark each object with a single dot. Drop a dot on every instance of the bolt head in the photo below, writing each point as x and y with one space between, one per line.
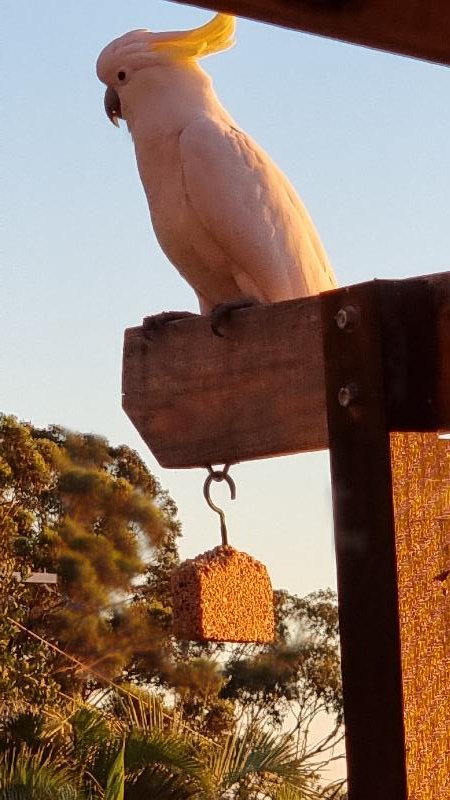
341 319
347 394
347 318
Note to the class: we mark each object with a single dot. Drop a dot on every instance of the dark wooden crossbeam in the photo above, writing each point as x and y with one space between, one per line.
260 390
419 28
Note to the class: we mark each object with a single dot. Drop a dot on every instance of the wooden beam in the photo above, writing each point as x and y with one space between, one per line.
418 28
259 391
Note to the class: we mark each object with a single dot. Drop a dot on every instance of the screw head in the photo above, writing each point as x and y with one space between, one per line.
347 394
347 318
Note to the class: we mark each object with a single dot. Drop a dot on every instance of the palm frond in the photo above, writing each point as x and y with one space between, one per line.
263 755
25 728
140 709
164 765
169 750
115 785
25 775
155 782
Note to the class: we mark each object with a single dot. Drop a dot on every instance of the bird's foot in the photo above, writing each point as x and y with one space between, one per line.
153 325
223 310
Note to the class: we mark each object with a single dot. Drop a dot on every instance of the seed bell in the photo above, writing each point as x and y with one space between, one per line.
223 594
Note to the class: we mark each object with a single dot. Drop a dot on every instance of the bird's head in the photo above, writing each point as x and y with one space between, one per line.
120 60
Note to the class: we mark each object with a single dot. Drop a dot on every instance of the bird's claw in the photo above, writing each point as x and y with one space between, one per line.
223 310
151 326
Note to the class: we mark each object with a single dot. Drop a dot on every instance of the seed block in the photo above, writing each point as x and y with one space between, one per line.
223 595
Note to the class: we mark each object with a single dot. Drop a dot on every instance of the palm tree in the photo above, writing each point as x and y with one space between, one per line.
141 751
165 759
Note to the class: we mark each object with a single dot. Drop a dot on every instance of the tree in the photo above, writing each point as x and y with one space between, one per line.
73 504
25 672
297 680
294 684
25 477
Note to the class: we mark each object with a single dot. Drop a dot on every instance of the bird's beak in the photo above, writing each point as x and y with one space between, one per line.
112 106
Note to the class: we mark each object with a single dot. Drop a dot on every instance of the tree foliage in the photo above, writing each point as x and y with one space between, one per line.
92 513
74 504
302 667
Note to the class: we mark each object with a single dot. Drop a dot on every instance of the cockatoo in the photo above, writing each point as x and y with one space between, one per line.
224 214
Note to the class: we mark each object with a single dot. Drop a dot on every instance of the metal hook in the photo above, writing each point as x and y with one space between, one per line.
219 476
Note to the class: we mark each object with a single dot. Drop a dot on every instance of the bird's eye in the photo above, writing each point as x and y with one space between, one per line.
121 75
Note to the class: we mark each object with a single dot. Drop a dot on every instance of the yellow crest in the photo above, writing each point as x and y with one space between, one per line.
216 35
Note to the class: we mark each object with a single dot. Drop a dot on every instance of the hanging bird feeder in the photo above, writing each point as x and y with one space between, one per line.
223 594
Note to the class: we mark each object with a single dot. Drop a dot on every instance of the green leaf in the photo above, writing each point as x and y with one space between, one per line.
115 786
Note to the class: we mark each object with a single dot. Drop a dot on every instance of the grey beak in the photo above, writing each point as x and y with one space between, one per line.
112 106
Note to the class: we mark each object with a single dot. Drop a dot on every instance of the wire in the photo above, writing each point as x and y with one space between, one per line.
76 661
86 668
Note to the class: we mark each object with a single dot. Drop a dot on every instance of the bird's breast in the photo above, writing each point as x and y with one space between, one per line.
186 242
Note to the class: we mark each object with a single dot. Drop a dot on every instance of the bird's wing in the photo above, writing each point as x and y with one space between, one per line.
253 212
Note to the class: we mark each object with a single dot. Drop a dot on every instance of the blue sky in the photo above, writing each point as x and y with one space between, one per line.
363 136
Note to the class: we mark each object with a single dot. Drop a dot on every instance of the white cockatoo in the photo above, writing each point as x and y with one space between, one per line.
223 212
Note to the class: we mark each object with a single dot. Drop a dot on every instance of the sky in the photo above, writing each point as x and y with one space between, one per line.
362 135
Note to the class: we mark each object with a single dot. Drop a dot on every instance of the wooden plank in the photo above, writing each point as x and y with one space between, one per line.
365 547
259 391
420 464
419 28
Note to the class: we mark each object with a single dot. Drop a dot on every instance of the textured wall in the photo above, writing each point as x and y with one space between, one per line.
421 490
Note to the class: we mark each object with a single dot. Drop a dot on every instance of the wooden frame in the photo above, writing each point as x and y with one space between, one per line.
352 370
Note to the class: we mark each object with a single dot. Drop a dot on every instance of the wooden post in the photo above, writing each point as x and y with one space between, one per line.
365 371
365 546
